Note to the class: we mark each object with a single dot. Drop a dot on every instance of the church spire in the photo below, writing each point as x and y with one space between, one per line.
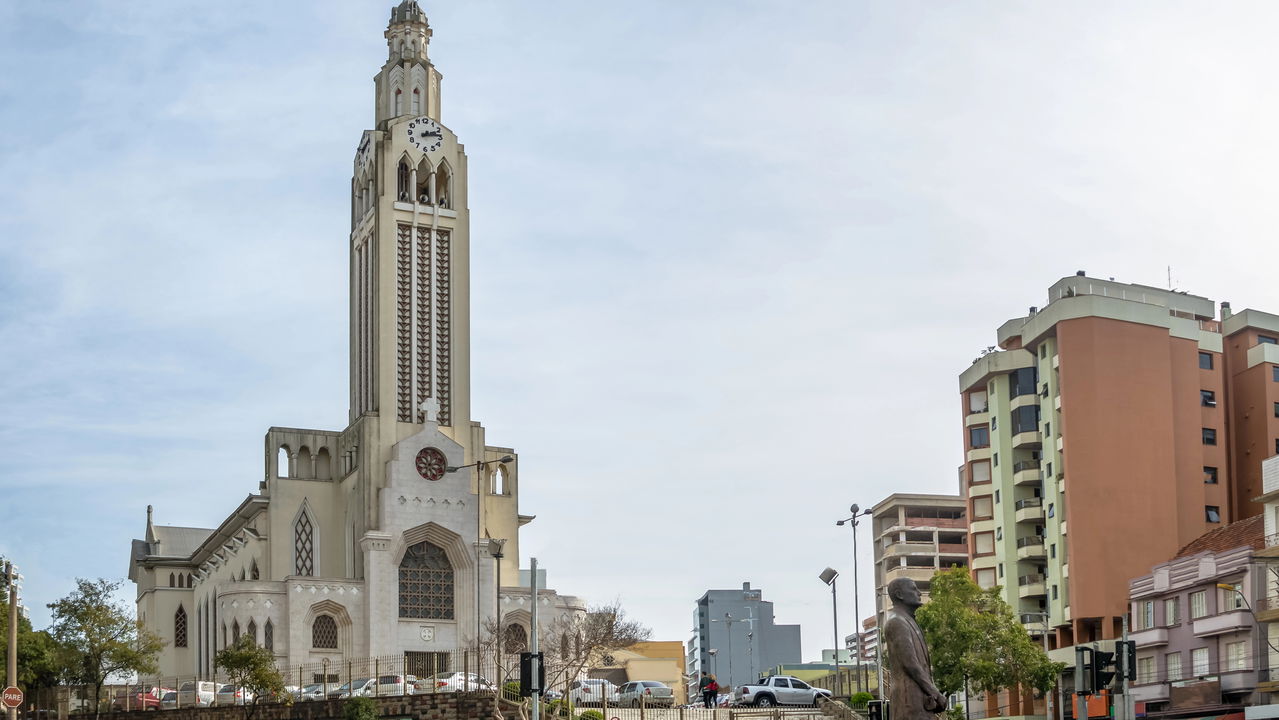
408 32
408 83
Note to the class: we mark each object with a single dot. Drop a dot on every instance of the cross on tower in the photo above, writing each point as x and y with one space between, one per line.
431 408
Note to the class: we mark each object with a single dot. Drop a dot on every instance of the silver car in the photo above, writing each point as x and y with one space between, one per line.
169 701
314 691
645 692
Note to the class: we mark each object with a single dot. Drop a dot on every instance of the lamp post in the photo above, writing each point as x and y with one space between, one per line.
828 576
1048 697
479 466
12 577
495 549
857 612
714 665
728 622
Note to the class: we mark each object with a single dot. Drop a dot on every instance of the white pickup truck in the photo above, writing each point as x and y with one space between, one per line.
778 690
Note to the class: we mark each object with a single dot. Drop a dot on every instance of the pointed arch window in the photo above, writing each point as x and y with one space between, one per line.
172 582
303 545
443 194
402 190
180 627
268 636
235 631
253 571
426 583
417 102
252 631
399 102
324 632
516 640
189 579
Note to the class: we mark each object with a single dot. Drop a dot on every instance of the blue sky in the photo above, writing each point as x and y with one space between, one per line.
729 257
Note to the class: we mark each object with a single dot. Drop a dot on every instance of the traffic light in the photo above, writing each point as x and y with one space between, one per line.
532 674
1126 660
1103 670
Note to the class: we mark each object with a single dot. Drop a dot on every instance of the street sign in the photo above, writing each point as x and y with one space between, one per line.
12 697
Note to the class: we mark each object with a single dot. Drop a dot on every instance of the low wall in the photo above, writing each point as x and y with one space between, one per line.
430 706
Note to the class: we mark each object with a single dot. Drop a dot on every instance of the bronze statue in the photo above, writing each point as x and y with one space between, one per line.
911 692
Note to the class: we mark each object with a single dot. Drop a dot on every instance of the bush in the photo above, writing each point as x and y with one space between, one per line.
956 712
859 700
591 715
359 708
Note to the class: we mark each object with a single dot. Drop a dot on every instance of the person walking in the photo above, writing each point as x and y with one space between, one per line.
710 691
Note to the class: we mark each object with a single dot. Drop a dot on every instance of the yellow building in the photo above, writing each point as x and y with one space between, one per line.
660 660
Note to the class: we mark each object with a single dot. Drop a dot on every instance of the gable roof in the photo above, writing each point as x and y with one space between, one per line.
174 541
1250 532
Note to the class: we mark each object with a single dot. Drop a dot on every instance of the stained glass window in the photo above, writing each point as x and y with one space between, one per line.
426 583
324 632
252 630
268 636
303 546
235 631
180 628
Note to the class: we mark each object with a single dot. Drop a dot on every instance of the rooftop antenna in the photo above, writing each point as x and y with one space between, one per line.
1169 277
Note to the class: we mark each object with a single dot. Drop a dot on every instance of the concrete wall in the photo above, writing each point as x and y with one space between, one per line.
443 706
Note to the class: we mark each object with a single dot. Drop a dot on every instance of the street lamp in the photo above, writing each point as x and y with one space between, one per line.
828 576
495 549
857 612
12 576
479 466
1048 697
728 621
714 665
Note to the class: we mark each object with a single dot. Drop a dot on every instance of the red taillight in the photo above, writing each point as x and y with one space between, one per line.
648 691
441 683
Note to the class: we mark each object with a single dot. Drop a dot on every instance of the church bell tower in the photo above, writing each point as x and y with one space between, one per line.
409 263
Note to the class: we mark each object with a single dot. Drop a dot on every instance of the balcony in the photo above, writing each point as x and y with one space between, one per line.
937 522
1028 440
1030 476
911 547
952 549
976 418
1031 547
1149 692
1237 681
1227 622
918 574
1030 586
1272 546
1153 637
1030 510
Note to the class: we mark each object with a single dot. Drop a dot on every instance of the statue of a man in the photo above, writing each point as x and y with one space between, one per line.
911 692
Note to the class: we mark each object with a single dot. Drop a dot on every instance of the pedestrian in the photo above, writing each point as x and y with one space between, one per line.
710 691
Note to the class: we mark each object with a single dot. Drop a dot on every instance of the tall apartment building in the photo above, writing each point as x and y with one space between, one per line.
735 637
1107 430
915 536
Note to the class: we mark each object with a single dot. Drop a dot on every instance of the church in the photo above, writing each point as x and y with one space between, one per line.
397 536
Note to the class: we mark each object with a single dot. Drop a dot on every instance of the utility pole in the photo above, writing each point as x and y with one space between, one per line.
536 710
12 669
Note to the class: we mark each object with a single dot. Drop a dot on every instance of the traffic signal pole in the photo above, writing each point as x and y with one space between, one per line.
1083 672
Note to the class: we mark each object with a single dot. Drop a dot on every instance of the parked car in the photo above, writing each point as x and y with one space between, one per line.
778 690
646 692
314 691
356 688
138 698
592 692
232 695
169 701
395 685
456 682
198 693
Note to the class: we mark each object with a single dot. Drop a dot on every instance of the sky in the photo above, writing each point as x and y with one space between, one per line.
729 258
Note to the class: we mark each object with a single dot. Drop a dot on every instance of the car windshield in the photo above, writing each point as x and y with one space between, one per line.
170 696
311 688
647 683
390 679
227 688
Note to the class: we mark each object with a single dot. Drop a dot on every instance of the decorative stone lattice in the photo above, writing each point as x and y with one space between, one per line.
324 632
423 317
404 324
180 627
443 334
303 546
426 583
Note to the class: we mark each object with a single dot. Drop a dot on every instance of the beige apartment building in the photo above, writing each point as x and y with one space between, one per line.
1105 430
916 535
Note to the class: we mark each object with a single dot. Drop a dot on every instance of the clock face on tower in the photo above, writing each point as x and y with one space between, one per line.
431 463
425 134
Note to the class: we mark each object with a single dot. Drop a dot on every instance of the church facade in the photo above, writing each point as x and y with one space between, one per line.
388 537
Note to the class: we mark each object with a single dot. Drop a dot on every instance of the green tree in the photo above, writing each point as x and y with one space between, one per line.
37 651
359 708
100 637
976 642
252 668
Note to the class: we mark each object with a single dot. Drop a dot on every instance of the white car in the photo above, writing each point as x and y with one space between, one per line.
391 685
455 682
314 691
356 688
200 693
591 692
232 695
645 692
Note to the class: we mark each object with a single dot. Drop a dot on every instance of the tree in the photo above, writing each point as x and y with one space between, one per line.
100 637
976 641
37 651
585 639
252 668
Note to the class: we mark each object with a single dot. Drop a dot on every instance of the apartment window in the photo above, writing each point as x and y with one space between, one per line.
979 437
1277 446
986 578
996 497
1277 409
1049 470
1236 655
1054 592
1209 436
1147 614
983 544
1052 550
1267 340
1207 398
977 402
1172 665
1210 475
1145 669
1198 605
1212 513
1171 608
1274 373
1048 430
1043 351
1043 392
1205 360
1026 419
1022 382
981 472
994 423
982 509
1199 662
1051 510
1231 599
995 458
1001 569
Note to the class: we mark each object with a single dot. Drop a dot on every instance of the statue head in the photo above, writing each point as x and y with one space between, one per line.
905 592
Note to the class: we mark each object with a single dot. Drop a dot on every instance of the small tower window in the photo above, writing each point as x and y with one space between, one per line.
417 102
399 102
402 182
253 571
180 627
172 583
442 187
303 546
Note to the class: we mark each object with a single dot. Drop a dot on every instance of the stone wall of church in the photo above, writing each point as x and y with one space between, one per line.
442 706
